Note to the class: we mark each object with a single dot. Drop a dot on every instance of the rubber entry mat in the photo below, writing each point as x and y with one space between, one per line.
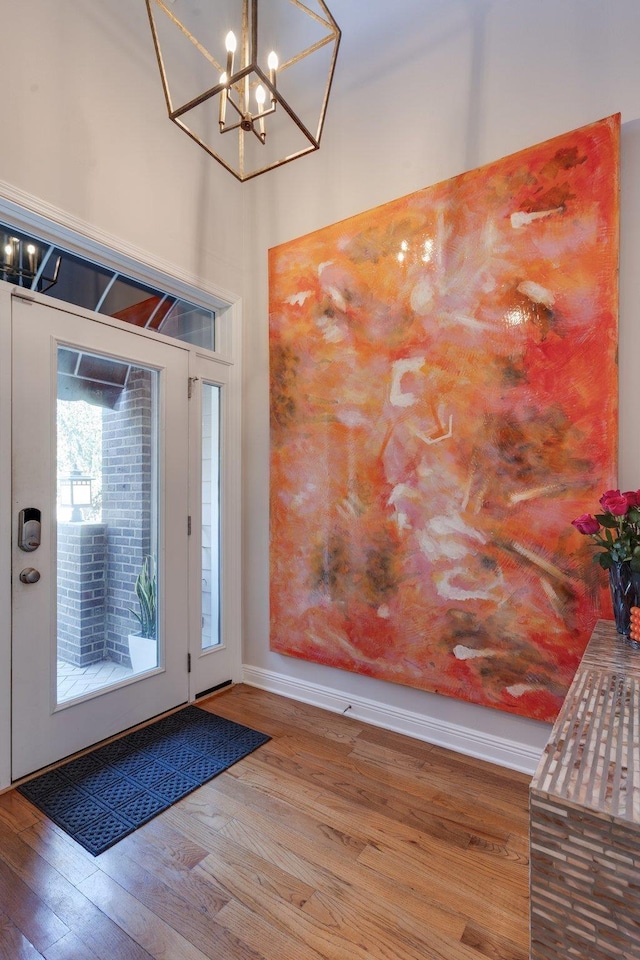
105 795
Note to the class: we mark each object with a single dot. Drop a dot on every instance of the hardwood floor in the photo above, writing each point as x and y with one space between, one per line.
335 840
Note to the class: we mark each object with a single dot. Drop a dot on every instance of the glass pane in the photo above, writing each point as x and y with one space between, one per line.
107 525
185 321
78 281
130 301
210 515
30 262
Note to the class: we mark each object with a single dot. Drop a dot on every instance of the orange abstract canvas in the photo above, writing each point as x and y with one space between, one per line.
443 404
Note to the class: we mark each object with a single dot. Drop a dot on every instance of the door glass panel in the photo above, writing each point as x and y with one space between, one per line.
107 530
210 515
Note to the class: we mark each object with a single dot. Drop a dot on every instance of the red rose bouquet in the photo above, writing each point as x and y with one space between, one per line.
616 531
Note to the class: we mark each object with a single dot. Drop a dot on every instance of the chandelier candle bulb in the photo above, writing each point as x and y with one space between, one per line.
230 44
261 97
272 63
223 101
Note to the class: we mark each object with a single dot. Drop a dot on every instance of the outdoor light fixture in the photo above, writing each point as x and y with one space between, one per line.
75 492
251 91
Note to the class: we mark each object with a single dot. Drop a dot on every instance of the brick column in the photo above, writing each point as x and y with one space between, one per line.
127 478
81 592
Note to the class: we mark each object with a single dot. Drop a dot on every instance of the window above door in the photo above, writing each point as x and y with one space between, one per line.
32 263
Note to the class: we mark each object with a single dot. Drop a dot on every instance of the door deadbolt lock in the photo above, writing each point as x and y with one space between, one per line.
29 575
29 529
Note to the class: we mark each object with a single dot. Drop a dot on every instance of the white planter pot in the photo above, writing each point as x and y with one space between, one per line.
143 652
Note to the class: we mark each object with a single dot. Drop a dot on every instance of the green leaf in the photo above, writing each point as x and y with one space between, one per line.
605 560
145 588
607 520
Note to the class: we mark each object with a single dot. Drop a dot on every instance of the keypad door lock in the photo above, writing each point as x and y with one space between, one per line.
29 529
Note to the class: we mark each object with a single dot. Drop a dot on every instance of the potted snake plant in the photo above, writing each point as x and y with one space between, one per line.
143 645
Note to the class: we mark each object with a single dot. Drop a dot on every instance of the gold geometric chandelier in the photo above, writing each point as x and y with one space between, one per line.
248 80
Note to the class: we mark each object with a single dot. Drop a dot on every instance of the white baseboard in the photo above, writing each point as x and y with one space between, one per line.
473 743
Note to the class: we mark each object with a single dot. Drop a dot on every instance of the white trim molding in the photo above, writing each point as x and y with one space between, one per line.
442 733
6 515
54 225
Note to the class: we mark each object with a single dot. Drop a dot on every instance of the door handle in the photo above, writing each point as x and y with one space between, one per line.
29 575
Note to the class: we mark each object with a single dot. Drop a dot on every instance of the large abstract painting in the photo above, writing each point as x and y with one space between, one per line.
443 404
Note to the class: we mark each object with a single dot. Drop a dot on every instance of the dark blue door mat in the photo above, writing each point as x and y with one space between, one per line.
105 795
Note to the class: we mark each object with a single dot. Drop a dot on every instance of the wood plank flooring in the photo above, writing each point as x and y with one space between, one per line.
334 841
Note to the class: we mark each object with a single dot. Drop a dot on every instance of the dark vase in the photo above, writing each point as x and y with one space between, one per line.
625 593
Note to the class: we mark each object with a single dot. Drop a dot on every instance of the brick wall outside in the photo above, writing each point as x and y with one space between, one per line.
127 495
81 592
98 562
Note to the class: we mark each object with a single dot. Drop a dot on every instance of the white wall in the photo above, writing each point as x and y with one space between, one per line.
84 128
446 86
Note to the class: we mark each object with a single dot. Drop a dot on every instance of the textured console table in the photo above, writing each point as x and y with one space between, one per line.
585 813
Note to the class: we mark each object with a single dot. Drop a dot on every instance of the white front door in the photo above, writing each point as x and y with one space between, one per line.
85 523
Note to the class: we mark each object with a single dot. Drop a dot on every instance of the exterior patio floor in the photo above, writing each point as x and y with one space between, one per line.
79 681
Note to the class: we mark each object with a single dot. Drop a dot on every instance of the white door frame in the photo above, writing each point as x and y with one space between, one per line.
45 731
33 214
230 341
216 665
5 535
